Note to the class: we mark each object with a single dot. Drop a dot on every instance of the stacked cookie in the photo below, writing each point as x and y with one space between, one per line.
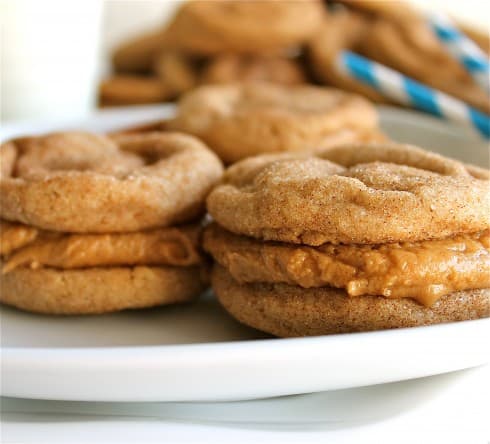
92 224
351 238
242 120
214 41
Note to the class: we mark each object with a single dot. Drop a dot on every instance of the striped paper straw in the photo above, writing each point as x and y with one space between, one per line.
406 91
462 48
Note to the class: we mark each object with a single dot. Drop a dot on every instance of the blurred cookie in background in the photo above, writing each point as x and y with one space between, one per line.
172 74
241 120
137 55
229 68
176 71
252 27
128 89
287 43
214 42
342 30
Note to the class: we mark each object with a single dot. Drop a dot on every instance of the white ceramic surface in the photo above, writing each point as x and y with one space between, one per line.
435 410
198 353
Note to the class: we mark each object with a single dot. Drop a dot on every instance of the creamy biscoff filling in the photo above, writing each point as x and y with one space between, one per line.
25 246
424 271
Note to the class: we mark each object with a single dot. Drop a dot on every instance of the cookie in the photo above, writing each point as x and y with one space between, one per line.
84 183
288 311
149 127
353 238
366 193
137 55
132 90
242 120
175 71
231 68
210 27
99 215
342 30
99 289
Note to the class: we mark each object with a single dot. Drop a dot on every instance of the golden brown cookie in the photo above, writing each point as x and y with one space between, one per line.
286 310
258 26
354 238
150 127
342 30
132 90
352 194
175 71
424 271
80 182
231 68
242 120
137 55
99 289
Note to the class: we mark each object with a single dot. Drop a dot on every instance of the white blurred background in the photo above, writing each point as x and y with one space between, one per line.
54 51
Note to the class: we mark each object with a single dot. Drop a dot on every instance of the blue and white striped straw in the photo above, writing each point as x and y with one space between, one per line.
406 91
463 49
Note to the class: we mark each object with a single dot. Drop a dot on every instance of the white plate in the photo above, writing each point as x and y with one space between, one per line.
197 353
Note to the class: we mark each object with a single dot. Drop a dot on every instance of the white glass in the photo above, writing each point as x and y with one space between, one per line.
49 58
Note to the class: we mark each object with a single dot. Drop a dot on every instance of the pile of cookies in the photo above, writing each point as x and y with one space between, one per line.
214 42
284 42
93 224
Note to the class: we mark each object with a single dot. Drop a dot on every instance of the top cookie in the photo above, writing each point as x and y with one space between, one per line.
365 194
81 182
238 120
257 26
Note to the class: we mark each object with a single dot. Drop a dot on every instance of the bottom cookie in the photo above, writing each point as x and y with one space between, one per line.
288 311
99 290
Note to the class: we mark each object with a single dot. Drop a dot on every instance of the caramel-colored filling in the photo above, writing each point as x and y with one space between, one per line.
424 271
23 246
